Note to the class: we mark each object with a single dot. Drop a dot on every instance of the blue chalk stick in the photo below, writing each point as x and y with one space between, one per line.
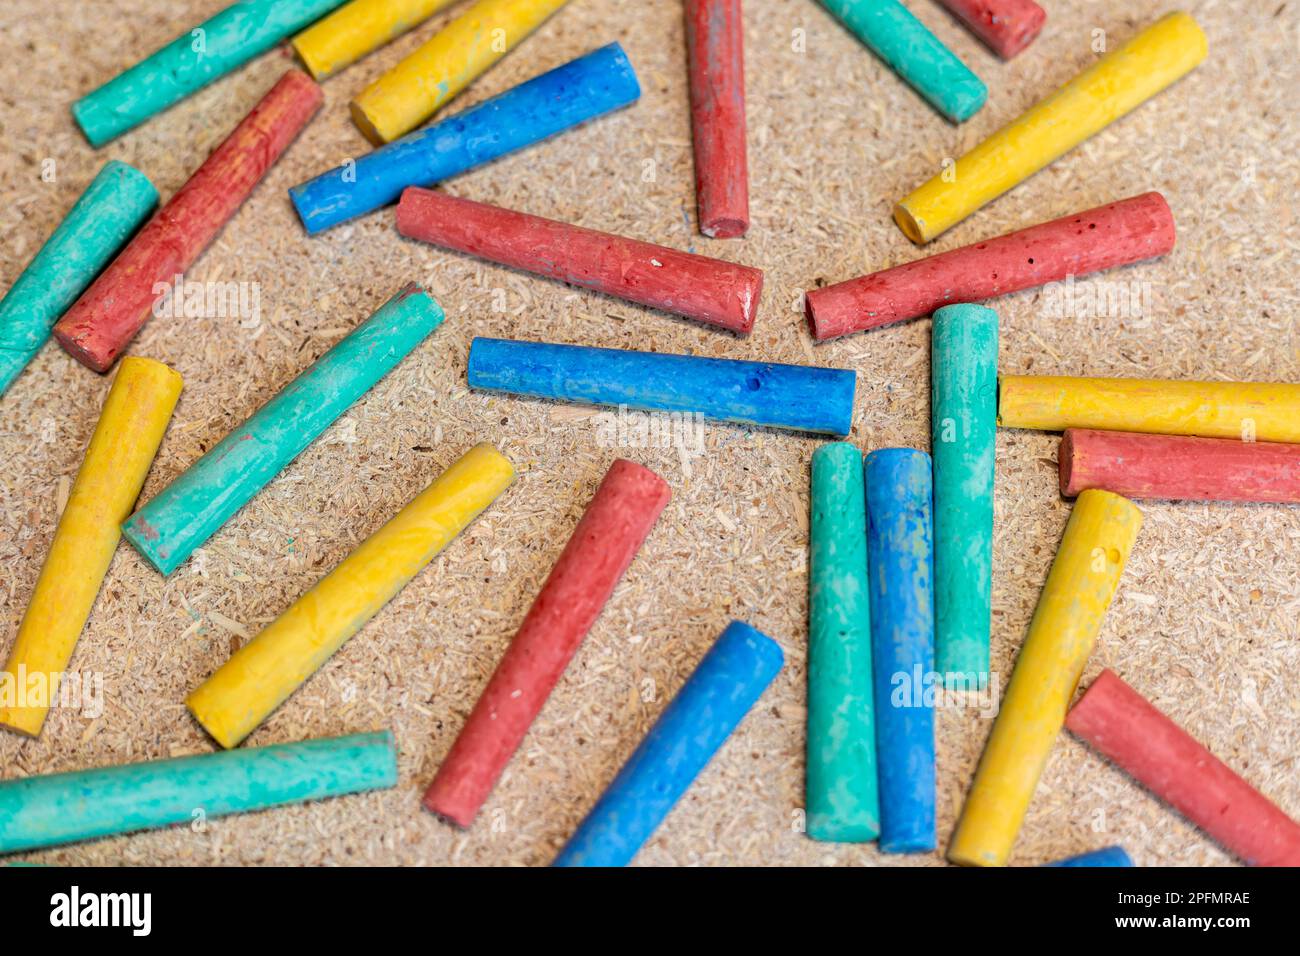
1106 856
580 90
800 397
725 685
900 576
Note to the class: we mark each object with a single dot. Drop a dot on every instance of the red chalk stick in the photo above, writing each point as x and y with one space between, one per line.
1116 720
708 290
1180 468
108 315
715 44
1005 26
1124 232
617 520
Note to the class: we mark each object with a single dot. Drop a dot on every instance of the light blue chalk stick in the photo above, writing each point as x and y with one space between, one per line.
900 573
725 685
558 100
800 397
1106 856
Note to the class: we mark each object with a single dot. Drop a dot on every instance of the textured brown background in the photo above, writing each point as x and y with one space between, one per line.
1205 623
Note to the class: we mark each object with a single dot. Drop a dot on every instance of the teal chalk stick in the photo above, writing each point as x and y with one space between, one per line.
914 53
114 204
963 412
841 790
191 509
190 62
85 804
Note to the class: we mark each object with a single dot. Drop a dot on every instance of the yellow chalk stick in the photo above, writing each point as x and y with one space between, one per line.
1117 83
1097 542
1247 411
265 671
416 88
131 426
358 28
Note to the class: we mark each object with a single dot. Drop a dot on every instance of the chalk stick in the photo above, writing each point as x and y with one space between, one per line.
415 89
840 788
194 59
131 426
715 46
560 99
1079 588
1118 234
264 672
1106 856
1130 732
1005 26
963 440
705 712
1178 468
616 522
206 495
1246 411
798 397
891 32
102 219
1119 82
900 572
697 287
108 315
58 808
358 28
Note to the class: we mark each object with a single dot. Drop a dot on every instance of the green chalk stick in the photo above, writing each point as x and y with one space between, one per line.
99 223
841 775
914 53
963 411
190 62
191 509
85 804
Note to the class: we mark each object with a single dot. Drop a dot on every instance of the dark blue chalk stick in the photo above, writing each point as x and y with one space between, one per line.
801 397
725 685
1106 856
568 95
900 575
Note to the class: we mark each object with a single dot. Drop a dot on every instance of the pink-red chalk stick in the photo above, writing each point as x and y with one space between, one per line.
1005 26
108 315
616 522
1121 233
1178 467
1122 725
715 46
708 290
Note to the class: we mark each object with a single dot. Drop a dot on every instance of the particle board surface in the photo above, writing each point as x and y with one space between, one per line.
1206 623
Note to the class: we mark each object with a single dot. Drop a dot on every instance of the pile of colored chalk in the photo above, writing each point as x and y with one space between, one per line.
901 542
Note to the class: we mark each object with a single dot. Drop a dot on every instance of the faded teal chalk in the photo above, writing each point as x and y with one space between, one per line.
99 223
194 59
914 53
85 804
963 412
841 791
194 506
